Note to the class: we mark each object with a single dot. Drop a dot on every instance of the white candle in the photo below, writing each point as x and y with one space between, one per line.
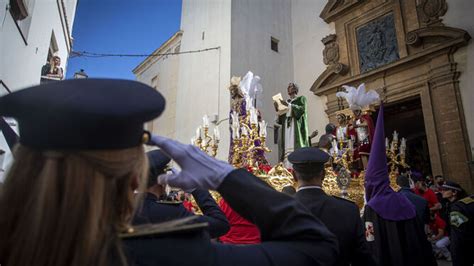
248 103
263 129
205 121
244 131
253 116
235 118
198 132
395 136
334 146
403 143
217 135
386 143
193 141
351 145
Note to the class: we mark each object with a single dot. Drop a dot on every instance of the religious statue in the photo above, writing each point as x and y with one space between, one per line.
293 120
245 118
362 128
53 68
342 129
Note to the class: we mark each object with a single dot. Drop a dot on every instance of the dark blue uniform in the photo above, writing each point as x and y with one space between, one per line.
290 234
155 211
343 219
420 203
462 231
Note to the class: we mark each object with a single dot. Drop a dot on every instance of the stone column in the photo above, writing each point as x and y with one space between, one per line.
449 121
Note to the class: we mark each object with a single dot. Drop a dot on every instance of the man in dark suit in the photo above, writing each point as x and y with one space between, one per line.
156 208
341 216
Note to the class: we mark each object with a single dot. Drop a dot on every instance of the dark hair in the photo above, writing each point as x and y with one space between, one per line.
330 128
294 86
325 141
402 180
289 190
309 172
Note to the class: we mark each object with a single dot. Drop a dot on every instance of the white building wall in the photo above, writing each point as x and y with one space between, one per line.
254 23
308 30
204 77
20 61
162 74
459 15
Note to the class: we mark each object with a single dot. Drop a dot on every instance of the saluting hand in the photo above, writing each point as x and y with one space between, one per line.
198 170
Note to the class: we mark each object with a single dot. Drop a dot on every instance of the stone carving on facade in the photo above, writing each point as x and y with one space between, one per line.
335 8
426 70
331 49
430 11
331 59
377 43
433 30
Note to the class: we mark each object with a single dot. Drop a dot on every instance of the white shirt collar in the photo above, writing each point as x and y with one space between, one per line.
308 187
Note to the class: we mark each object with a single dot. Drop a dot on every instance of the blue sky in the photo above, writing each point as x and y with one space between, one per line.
122 27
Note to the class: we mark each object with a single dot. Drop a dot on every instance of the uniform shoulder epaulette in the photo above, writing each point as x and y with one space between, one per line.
467 200
174 226
341 198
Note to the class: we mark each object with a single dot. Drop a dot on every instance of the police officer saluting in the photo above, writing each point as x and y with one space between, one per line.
341 216
68 198
156 208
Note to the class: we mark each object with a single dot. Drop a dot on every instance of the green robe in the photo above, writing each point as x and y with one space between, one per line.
299 113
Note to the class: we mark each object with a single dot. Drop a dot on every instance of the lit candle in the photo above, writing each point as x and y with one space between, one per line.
395 136
217 135
386 143
403 143
205 121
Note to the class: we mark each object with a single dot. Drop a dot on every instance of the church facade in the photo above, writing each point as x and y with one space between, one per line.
416 53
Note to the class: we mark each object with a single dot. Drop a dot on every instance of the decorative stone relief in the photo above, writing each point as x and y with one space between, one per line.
377 43
331 49
430 11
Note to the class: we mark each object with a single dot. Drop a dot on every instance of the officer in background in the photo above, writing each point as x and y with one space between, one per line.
461 215
341 216
156 208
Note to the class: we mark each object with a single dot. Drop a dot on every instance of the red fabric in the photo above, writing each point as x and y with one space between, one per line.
364 148
437 224
241 231
188 205
428 195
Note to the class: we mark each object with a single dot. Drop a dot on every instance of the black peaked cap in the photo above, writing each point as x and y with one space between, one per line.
306 160
308 155
158 161
83 114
